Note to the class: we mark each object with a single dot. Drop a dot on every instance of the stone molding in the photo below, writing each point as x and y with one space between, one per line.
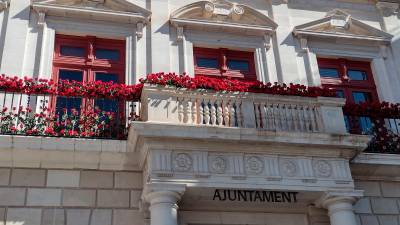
338 24
332 197
230 17
113 11
4 4
236 167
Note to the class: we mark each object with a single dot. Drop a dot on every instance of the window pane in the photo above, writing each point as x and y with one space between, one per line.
329 72
106 105
360 97
107 77
66 104
340 94
72 51
357 75
207 63
109 54
71 75
241 65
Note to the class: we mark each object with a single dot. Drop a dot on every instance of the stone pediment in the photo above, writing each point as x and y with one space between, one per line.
339 24
107 10
223 15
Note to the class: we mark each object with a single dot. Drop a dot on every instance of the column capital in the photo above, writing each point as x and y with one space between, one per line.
332 197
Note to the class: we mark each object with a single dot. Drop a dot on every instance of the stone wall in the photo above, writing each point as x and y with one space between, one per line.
69 197
381 203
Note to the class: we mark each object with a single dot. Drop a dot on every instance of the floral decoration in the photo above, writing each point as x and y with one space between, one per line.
235 85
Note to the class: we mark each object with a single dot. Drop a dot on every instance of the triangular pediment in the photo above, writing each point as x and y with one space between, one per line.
222 13
339 24
74 7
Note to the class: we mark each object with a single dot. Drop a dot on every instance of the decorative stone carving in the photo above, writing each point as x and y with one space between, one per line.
227 15
322 168
254 165
339 24
182 162
218 164
388 8
4 4
288 168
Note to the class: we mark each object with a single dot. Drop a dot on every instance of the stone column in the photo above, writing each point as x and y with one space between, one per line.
340 207
340 211
163 201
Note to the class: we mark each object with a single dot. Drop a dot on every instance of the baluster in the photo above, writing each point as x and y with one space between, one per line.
194 111
289 120
270 116
239 114
201 112
301 117
264 116
180 110
226 113
219 113
207 113
284 118
213 114
318 119
275 116
232 120
313 119
186 110
306 118
295 117
257 114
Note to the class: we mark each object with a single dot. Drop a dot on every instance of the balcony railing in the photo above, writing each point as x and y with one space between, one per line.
61 116
244 110
384 130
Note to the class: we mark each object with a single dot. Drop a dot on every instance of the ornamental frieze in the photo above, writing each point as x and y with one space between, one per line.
242 167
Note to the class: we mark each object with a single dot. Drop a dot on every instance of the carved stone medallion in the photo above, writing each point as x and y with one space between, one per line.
254 165
322 168
218 164
182 162
288 168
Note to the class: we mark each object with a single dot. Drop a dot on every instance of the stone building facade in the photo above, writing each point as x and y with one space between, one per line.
172 170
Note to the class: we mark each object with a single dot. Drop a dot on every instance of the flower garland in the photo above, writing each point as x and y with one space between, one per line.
229 84
96 89
375 110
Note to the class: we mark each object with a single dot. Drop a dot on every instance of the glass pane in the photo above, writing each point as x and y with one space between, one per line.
106 105
72 51
241 65
107 77
71 75
340 94
365 125
329 72
207 63
357 75
360 97
66 104
109 54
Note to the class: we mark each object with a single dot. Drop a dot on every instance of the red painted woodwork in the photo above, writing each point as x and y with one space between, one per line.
344 83
223 56
88 63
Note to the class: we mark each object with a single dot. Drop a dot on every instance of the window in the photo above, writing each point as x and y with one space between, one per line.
352 80
87 59
224 63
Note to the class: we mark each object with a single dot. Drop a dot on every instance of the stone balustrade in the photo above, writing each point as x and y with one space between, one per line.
243 110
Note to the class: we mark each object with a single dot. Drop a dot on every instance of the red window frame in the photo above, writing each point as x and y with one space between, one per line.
344 83
88 64
223 55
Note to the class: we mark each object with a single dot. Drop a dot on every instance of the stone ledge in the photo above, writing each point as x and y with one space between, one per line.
211 137
65 153
378 159
376 167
